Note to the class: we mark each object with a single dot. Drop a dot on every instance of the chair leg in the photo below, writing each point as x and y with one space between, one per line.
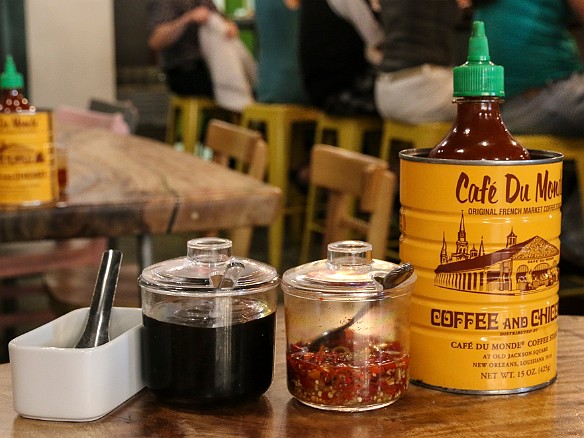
278 175
385 145
190 127
241 241
171 124
307 235
350 137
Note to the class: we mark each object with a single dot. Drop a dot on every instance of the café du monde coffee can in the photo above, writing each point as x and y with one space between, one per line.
483 237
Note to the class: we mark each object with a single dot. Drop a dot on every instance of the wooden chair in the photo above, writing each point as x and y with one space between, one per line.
244 149
72 288
346 176
21 261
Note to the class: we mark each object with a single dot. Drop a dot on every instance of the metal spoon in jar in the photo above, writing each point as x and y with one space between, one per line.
96 330
392 279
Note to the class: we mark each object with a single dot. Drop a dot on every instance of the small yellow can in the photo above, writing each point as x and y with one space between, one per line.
27 162
483 237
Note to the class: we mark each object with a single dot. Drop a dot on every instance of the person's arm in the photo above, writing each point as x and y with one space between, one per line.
360 16
222 25
167 33
292 4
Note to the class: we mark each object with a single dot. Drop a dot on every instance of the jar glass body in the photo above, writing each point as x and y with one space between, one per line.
205 345
365 366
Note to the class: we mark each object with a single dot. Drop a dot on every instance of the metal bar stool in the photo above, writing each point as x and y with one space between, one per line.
422 135
279 120
350 131
187 112
571 148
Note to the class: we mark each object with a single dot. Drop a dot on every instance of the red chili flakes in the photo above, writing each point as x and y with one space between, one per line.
358 372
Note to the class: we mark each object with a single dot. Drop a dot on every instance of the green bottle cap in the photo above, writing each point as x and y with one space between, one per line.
478 76
10 78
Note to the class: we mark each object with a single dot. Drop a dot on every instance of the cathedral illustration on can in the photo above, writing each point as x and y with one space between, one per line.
521 267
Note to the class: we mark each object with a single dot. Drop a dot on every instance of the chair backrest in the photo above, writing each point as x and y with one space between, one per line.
244 147
245 150
349 176
126 108
66 115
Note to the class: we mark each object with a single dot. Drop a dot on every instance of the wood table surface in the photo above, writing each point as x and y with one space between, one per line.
554 411
131 185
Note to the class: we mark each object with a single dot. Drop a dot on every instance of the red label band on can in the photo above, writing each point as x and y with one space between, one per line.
483 237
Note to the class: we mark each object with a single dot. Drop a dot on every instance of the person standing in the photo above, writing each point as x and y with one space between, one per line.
279 74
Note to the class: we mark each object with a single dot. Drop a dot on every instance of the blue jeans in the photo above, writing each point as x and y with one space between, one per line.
558 109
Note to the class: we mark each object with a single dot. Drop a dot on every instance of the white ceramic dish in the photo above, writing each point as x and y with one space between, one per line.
51 380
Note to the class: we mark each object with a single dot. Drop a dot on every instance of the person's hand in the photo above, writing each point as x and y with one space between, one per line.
232 30
199 15
374 55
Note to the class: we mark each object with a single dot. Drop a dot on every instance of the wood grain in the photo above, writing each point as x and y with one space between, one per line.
129 185
554 411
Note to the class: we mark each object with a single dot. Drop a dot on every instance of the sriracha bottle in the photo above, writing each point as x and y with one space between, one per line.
478 133
11 83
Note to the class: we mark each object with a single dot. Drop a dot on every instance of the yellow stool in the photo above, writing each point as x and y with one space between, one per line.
278 120
419 136
571 148
423 135
350 130
188 110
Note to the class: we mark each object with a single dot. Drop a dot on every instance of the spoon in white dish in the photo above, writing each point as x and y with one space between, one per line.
96 330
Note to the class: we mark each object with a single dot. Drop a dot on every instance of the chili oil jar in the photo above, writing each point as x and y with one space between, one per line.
347 336
209 326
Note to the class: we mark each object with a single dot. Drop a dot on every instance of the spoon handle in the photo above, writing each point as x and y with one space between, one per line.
97 327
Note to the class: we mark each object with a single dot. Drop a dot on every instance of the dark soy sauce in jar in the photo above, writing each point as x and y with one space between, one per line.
208 366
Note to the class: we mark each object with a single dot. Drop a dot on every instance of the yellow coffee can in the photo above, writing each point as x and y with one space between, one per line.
484 238
27 162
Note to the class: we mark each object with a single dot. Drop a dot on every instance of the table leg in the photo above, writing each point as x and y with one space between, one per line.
145 253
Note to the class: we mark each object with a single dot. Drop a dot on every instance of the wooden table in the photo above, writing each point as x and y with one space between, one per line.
554 411
129 185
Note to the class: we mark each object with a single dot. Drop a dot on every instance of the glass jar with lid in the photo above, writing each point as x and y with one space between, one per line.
347 331
209 326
